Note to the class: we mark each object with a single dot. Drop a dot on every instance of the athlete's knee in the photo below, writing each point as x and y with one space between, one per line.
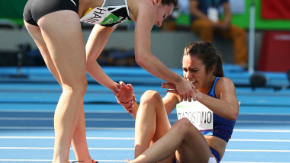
183 125
82 87
151 97
78 88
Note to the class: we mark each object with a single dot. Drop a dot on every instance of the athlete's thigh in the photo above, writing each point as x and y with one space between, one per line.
194 147
35 33
63 36
162 122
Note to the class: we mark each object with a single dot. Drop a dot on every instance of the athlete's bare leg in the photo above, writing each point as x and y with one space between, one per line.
35 33
79 141
79 138
66 47
190 144
151 123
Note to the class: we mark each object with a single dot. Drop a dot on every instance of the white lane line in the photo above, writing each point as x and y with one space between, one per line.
114 128
131 120
132 149
124 112
22 160
124 138
270 122
52 111
51 137
260 140
25 119
51 148
249 162
51 128
51 119
254 130
34 160
247 150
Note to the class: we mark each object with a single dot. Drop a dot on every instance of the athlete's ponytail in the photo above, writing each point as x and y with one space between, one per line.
219 72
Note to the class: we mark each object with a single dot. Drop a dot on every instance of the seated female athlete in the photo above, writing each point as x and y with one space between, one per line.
157 141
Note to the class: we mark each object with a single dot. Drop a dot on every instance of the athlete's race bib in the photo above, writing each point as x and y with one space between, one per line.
213 14
102 16
198 114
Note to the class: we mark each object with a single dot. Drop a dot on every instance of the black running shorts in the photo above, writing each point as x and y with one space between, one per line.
35 9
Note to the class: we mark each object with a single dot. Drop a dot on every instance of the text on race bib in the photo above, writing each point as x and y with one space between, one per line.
102 16
198 114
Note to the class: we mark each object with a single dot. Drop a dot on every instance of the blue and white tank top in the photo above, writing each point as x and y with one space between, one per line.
222 128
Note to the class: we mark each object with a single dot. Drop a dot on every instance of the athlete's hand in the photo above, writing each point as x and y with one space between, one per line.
129 105
124 93
184 89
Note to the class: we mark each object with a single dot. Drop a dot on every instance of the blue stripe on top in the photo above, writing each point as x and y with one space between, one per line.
222 128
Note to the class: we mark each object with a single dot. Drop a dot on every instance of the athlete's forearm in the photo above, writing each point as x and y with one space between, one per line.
96 43
134 109
97 73
155 67
220 107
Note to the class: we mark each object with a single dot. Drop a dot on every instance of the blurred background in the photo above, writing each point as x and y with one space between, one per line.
270 38
266 23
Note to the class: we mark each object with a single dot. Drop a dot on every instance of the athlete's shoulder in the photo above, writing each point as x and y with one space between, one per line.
146 5
224 82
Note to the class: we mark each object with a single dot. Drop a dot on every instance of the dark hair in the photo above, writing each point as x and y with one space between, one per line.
204 51
169 2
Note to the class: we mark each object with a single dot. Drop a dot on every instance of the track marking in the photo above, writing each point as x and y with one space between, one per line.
32 160
124 138
108 128
132 149
130 120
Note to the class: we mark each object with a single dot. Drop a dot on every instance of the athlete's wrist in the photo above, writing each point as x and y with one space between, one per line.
114 87
132 99
198 94
178 79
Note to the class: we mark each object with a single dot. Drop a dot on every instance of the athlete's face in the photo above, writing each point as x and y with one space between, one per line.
195 72
163 12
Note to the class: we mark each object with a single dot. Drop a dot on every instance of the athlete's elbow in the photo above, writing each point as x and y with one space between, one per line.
234 115
141 60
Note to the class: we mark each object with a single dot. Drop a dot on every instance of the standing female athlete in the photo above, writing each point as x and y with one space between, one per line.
56 29
157 141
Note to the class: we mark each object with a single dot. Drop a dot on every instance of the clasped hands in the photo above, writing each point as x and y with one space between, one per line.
126 98
185 89
124 95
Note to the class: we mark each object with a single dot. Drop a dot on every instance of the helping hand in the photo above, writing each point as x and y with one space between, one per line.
129 105
124 92
184 89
